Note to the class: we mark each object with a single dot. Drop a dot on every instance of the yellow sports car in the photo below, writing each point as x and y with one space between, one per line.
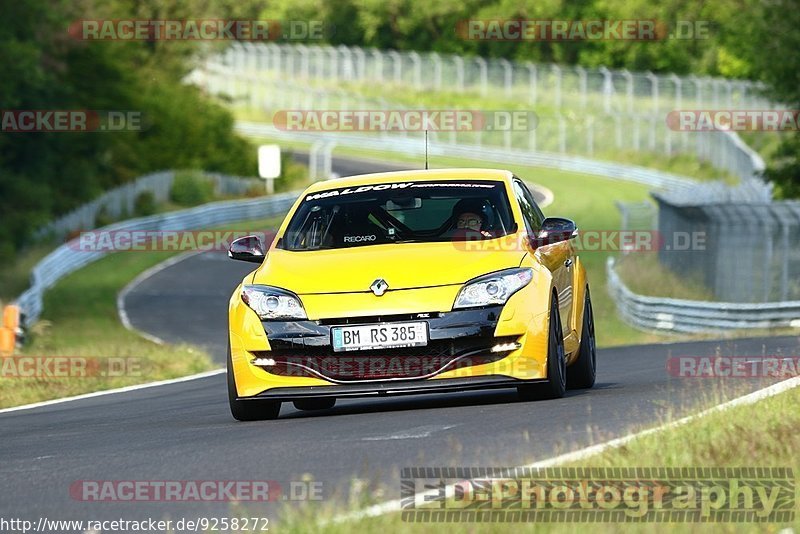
409 282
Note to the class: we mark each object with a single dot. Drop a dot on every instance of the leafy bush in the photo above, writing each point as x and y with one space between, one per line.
144 204
191 189
102 218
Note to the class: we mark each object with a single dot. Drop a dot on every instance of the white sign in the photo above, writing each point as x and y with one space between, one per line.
269 161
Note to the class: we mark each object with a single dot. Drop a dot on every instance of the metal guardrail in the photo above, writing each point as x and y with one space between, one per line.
692 316
120 202
68 257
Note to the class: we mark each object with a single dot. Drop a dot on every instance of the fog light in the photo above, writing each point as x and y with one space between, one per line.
505 347
263 362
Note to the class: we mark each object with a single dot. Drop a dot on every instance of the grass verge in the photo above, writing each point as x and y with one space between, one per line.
645 275
762 434
81 332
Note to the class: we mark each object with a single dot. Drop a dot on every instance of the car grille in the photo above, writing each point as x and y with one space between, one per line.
387 364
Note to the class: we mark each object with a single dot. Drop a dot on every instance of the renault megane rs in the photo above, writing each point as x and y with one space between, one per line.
405 283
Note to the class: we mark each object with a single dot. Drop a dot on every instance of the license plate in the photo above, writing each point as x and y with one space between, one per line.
379 336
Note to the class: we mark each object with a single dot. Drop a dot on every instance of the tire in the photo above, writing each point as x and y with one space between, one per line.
320 403
581 374
556 383
249 410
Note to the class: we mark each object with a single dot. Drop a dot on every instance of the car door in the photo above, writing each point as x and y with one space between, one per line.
558 257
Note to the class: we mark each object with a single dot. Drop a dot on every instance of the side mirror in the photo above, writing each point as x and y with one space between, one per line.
248 248
555 230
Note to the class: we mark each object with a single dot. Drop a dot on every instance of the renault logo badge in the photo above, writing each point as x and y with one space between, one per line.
379 287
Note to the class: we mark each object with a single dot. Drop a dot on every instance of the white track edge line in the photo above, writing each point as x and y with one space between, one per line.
124 389
141 277
580 454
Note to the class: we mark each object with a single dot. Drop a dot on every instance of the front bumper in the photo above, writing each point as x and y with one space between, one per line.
458 355
386 389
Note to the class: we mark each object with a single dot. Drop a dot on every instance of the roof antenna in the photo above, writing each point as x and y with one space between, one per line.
426 149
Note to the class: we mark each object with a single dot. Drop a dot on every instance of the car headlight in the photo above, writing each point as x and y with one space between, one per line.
494 288
272 302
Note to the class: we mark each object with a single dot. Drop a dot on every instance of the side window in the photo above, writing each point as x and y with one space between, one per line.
530 211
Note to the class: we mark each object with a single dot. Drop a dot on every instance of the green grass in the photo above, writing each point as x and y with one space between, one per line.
645 275
758 435
80 320
15 275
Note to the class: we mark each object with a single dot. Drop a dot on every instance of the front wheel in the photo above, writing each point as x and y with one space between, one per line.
581 374
248 410
556 383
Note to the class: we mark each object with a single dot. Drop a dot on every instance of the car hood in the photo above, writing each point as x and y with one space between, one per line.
402 266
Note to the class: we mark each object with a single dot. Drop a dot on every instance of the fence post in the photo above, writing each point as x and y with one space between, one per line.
437 70
608 89
378 58
629 89
333 55
484 74
458 61
361 58
397 64
319 61
508 75
583 85
653 89
347 62
532 82
557 70
304 62
415 59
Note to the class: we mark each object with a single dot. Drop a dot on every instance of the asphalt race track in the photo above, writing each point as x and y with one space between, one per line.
184 431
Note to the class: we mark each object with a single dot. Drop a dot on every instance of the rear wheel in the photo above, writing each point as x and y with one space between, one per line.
320 403
248 410
556 383
581 374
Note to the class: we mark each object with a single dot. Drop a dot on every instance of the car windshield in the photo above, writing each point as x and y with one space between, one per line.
401 212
